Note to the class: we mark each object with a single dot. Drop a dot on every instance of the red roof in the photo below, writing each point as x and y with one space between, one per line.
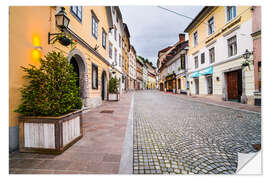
165 49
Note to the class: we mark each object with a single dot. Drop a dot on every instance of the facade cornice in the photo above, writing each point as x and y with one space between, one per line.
87 46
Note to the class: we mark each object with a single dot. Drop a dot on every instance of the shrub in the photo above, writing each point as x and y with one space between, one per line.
52 89
113 85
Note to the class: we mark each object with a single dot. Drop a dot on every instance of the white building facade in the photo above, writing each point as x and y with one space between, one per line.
216 68
115 45
132 68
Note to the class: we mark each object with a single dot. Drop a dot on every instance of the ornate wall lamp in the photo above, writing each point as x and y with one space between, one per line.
62 22
113 67
247 61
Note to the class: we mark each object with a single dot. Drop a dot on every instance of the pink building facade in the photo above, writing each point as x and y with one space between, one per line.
256 35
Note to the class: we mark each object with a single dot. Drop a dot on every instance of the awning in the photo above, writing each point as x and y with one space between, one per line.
207 71
195 74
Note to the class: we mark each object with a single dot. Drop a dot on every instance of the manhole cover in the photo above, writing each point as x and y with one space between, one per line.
106 111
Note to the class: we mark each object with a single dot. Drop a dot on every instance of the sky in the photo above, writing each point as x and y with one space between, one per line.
152 28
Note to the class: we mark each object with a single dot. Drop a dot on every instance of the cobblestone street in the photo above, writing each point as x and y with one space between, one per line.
180 136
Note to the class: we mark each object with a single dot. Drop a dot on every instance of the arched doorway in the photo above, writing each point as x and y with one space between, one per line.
75 65
77 60
103 86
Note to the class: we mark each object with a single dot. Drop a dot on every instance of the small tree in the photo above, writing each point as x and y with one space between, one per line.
113 85
52 90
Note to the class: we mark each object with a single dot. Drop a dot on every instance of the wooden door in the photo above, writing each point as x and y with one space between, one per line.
232 85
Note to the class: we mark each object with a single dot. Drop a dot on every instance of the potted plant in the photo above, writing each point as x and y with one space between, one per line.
65 39
113 89
246 63
51 118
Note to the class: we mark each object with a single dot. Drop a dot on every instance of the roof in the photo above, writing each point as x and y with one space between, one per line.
176 49
140 60
165 49
126 30
199 17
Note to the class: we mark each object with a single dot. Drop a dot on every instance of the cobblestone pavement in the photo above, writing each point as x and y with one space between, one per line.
173 135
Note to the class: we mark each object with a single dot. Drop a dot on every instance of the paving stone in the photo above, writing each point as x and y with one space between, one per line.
202 139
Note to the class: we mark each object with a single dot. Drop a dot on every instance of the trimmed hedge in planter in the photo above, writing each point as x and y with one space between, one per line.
48 101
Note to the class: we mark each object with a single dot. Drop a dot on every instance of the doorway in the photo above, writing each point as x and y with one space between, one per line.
196 82
209 84
75 65
103 85
234 85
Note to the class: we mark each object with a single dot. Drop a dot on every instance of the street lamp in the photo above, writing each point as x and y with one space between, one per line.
61 19
113 65
62 22
247 54
247 62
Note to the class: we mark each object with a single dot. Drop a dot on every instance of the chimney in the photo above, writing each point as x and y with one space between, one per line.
182 37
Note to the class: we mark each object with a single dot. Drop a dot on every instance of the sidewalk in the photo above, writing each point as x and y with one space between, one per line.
219 101
98 152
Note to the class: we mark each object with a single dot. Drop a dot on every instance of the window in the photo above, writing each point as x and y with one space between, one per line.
94 26
183 63
259 75
202 58
120 40
115 55
103 38
212 55
110 50
211 28
231 12
232 46
77 12
195 37
196 62
94 76
120 62
115 34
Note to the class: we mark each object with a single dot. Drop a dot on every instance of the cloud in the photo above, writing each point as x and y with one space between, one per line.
152 29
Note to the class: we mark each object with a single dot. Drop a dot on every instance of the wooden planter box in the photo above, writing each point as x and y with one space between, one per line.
114 97
51 135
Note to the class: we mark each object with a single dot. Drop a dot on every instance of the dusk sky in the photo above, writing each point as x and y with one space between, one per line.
152 28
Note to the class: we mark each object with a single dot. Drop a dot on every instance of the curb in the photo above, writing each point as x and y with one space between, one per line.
215 104
126 162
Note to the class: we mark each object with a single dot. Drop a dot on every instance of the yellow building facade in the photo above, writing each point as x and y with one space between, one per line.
29 29
218 38
125 51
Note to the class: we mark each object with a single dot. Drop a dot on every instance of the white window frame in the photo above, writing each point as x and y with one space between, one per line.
208 30
195 44
226 14
235 48
94 27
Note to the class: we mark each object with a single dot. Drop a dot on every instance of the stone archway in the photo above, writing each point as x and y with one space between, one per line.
77 60
104 85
